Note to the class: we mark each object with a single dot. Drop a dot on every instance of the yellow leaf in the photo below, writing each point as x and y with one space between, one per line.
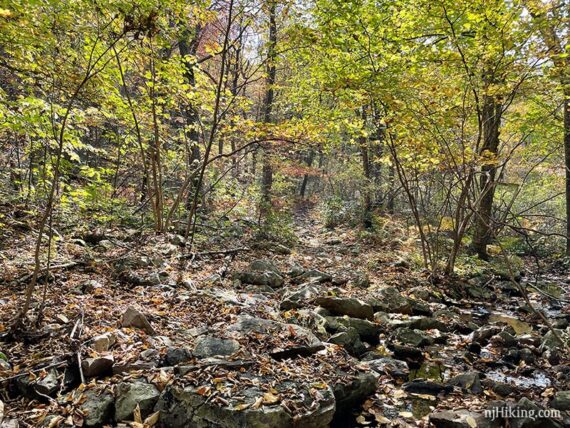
242 406
151 420
269 398
471 421
137 415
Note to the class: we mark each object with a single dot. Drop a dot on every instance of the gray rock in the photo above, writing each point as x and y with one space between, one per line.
184 407
416 338
247 324
361 281
131 394
346 306
367 330
482 335
507 339
526 405
209 346
499 388
177 240
470 381
311 275
395 368
298 298
106 244
460 419
561 401
103 342
263 266
134 318
176 355
270 279
421 386
420 292
390 300
350 340
99 366
97 407
350 395
38 388
527 356
427 323
550 342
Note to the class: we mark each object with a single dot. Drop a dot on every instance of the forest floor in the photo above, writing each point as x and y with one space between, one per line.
333 330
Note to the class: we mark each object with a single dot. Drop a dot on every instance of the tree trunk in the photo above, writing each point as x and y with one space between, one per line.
188 46
305 181
267 168
567 161
491 117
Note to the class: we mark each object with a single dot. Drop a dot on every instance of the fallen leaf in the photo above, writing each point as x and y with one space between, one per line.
471 421
269 398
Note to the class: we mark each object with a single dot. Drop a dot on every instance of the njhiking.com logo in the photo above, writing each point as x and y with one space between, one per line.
517 413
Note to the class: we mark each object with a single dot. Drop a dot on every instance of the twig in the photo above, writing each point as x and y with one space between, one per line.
78 327
49 366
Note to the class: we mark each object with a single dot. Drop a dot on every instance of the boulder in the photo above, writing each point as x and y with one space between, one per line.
390 366
311 275
263 266
561 401
367 330
483 334
132 394
185 407
346 306
470 381
134 318
97 408
427 323
421 386
98 366
415 338
349 395
389 299
270 279
301 340
524 405
350 340
461 419
176 355
298 298
209 346
412 356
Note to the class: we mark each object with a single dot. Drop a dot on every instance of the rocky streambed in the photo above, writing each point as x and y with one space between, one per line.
274 341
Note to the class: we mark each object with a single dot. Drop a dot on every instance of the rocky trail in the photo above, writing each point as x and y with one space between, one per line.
332 331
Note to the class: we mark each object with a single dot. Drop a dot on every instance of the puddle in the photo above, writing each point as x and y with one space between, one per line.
428 370
519 326
538 379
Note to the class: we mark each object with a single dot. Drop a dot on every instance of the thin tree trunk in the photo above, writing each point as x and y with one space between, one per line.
267 168
491 117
